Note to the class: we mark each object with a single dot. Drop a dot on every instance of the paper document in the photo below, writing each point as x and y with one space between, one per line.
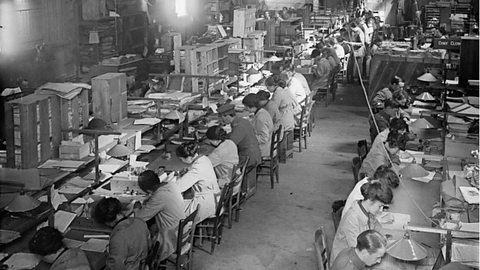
63 220
56 198
95 245
72 243
470 194
23 261
112 165
399 221
147 121
425 179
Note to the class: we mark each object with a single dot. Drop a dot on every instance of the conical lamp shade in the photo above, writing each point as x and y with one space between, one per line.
407 249
421 123
413 170
426 96
175 115
119 150
252 71
22 203
274 58
427 77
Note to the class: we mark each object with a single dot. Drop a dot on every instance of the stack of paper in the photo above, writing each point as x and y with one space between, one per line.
112 165
95 245
470 194
425 179
147 121
64 165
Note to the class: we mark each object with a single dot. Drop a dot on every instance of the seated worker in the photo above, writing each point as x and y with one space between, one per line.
201 178
129 240
383 174
386 93
369 250
287 105
243 135
339 51
296 78
157 85
225 155
270 106
262 123
361 217
294 86
392 110
396 125
165 204
321 72
48 243
381 156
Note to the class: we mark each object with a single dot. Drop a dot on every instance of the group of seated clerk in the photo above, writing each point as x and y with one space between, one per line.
358 243
171 200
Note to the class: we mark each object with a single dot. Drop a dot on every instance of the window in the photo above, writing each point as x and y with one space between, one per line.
181 8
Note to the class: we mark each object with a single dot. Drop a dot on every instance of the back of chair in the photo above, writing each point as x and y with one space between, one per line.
224 197
186 231
362 149
275 142
238 175
321 249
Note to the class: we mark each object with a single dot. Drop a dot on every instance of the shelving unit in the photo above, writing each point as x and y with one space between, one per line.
209 59
35 133
108 46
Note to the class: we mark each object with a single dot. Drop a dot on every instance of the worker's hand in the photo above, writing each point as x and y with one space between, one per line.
385 218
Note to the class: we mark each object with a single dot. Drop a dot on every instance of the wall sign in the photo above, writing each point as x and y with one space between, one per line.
447 43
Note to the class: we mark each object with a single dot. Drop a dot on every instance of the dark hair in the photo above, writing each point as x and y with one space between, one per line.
376 191
393 139
399 95
148 181
386 176
46 241
251 100
188 149
339 39
216 133
371 240
107 210
398 124
395 80
276 80
315 53
263 95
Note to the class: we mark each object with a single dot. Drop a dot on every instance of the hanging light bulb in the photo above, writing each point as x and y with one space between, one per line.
427 77
274 58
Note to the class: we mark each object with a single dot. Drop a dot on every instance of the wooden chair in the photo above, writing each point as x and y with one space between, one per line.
362 149
301 129
183 257
234 200
321 249
212 228
356 165
271 163
336 217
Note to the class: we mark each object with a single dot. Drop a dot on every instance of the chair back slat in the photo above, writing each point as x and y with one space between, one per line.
275 142
224 197
238 176
186 230
321 249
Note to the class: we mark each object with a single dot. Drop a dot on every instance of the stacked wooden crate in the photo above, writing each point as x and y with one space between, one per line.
269 27
254 42
109 97
171 41
287 31
243 21
32 130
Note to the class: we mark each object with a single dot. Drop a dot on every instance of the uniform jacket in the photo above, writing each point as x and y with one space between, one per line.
263 126
243 135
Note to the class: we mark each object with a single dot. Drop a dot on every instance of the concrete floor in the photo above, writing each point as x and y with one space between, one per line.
277 226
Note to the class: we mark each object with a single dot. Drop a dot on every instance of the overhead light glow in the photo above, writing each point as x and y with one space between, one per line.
181 8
